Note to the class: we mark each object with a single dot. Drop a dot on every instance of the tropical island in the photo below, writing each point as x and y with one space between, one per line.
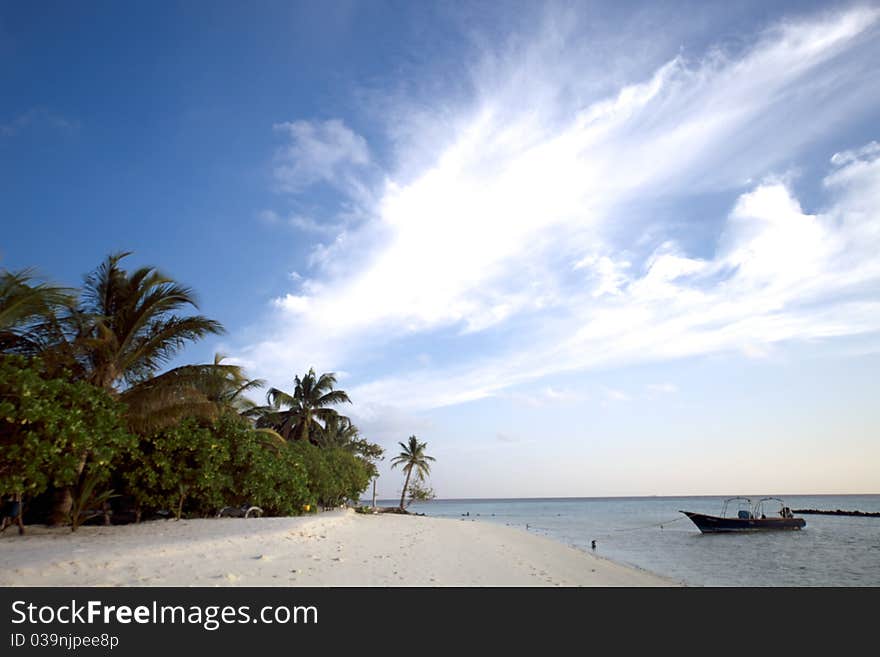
94 430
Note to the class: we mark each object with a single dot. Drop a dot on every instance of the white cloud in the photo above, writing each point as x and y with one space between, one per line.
847 157
508 224
781 274
318 151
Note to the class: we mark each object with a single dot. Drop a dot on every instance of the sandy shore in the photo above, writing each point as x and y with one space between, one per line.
339 548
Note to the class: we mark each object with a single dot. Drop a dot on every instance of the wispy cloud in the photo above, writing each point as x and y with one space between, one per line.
662 388
318 151
520 225
613 395
546 396
36 117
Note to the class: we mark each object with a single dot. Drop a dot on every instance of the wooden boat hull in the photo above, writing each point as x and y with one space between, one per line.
717 525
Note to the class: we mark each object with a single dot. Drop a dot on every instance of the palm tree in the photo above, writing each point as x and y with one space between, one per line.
412 457
338 431
127 326
312 396
201 391
135 325
28 310
227 386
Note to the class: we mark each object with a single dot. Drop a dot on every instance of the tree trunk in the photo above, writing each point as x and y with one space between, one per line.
374 493
63 502
61 505
180 503
405 485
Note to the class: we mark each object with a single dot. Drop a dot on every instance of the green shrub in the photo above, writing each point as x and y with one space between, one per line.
54 432
264 470
334 475
185 465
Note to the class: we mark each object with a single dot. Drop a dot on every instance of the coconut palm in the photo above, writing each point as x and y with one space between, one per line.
412 457
136 328
338 431
28 310
228 385
201 391
293 415
125 328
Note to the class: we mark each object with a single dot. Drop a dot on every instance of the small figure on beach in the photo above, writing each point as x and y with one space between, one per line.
12 513
593 544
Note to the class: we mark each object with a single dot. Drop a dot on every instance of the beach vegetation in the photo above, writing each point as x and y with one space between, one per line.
92 417
54 433
420 490
264 470
294 415
179 465
28 311
412 459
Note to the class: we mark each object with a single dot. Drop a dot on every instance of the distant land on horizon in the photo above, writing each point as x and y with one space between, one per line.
622 497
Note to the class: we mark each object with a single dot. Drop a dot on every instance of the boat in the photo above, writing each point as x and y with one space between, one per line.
748 517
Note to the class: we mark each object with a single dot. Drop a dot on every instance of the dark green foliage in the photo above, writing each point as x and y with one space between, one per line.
85 414
264 470
54 431
335 475
182 465
87 501
293 416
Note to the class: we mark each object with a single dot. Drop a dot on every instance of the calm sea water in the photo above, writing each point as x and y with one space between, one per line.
830 551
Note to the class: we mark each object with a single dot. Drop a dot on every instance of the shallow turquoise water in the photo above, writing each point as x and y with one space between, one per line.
830 551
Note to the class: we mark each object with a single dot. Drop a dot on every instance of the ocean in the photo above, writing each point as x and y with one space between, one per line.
649 533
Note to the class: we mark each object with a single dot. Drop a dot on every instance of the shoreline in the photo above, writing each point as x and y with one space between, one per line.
335 548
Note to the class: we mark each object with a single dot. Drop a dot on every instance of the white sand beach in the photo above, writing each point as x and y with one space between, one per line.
339 548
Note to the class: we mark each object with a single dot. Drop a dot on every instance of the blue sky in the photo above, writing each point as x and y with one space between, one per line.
578 248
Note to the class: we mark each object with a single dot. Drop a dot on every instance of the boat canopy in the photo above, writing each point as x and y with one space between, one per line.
784 511
744 505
